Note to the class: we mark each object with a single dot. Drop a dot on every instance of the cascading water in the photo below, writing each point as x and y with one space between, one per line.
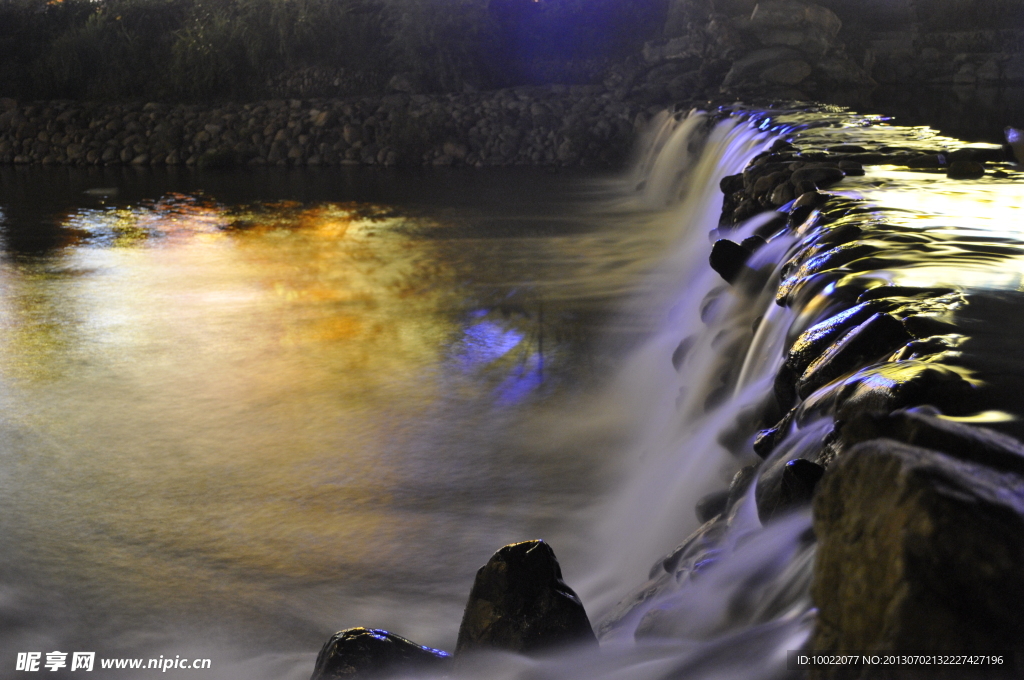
734 598
679 418
731 606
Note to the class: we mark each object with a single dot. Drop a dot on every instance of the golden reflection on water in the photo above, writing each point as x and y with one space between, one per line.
973 213
202 400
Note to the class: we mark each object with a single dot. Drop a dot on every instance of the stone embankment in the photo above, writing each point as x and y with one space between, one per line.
544 126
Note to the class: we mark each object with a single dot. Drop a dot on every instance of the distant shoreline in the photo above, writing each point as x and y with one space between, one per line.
555 125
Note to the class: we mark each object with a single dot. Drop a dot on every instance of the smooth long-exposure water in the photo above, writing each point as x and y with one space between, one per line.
237 419
239 415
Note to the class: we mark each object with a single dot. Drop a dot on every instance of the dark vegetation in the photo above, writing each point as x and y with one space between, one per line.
203 50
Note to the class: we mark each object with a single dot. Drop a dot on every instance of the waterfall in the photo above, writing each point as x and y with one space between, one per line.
732 606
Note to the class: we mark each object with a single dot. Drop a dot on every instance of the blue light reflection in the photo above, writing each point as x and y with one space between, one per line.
483 343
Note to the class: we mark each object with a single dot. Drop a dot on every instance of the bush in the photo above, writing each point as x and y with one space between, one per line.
216 49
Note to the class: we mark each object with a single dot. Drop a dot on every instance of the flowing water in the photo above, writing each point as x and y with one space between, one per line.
239 413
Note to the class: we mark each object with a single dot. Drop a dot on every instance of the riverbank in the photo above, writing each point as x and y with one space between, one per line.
554 125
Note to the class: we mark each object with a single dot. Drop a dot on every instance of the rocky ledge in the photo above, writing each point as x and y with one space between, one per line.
545 126
519 603
918 518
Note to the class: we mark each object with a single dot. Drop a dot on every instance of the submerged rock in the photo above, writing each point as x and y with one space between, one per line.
918 551
371 652
519 603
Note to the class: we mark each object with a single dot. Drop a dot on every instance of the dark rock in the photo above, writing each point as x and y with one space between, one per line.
891 386
785 486
680 352
771 226
740 483
791 72
811 199
370 652
851 168
753 243
918 551
520 603
784 387
925 326
711 506
731 184
932 160
965 170
876 337
783 194
808 27
749 68
821 175
966 442
727 258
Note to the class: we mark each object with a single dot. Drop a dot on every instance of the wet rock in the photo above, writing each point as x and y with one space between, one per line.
519 603
893 386
728 259
965 170
918 551
880 292
697 547
830 259
962 441
784 387
740 483
371 652
877 336
851 168
785 486
846 148
927 325
822 175
782 194
753 243
711 505
813 342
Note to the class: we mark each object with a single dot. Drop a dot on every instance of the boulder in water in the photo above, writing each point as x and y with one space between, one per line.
965 170
727 258
371 652
519 603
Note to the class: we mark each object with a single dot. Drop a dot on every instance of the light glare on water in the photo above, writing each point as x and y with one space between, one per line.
275 420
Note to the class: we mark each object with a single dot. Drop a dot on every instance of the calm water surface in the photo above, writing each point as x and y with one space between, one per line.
241 411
